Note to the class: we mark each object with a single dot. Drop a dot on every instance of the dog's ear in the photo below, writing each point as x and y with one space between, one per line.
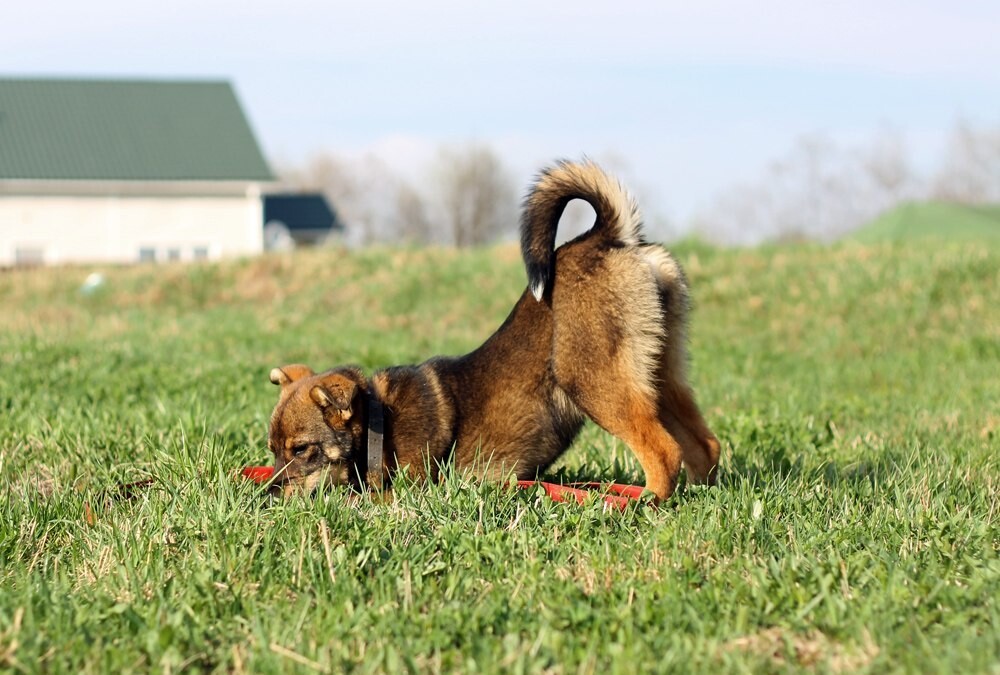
288 374
335 394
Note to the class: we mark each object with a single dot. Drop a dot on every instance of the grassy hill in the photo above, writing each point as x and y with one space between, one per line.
856 390
938 220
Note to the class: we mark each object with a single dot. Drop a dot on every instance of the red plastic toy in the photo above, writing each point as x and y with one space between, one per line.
258 474
614 494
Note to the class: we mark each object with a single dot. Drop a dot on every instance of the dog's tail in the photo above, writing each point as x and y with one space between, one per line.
618 217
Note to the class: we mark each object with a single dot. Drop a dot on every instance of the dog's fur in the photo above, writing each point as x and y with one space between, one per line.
599 333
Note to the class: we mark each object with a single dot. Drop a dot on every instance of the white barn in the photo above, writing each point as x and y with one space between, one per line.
125 171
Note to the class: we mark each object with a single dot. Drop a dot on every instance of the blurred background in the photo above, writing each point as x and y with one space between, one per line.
735 123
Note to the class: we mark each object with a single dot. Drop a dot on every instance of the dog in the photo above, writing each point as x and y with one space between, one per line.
598 333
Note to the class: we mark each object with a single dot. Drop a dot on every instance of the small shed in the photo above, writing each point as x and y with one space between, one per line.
298 219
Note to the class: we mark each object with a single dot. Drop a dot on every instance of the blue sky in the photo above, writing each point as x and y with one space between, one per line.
685 98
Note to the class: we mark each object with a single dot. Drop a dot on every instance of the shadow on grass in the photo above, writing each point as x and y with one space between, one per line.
758 469
778 465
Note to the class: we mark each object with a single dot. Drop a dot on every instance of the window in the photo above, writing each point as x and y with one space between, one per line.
200 253
29 255
147 254
173 254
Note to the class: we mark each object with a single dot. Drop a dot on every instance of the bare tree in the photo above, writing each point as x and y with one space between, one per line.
971 170
887 168
476 193
410 222
818 190
798 196
739 215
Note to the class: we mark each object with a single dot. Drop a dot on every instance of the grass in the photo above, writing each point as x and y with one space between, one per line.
855 530
934 220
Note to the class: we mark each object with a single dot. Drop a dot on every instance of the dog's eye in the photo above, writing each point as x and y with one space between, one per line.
300 450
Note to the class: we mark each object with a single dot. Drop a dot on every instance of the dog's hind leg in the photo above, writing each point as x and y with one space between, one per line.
632 417
622 406
680 415
677 408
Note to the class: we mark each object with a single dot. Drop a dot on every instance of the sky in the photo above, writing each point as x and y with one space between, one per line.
684 99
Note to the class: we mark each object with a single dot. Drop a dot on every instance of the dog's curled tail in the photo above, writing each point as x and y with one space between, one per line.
618 217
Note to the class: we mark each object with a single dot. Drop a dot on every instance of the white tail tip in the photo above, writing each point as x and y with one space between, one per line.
538 290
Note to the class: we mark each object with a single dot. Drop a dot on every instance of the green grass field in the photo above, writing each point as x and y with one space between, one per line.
934 220
856 527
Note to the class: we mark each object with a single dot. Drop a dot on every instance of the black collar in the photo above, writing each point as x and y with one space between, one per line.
374 474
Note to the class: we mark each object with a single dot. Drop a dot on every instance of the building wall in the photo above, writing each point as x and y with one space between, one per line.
125 228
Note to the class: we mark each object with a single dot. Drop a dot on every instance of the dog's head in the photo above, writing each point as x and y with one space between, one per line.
316 428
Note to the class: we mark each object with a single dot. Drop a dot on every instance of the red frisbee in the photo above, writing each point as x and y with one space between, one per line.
613 494
616 495
258 474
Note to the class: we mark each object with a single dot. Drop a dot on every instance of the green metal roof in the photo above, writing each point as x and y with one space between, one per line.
63 129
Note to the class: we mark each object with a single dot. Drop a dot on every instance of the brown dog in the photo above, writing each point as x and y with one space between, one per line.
600 333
